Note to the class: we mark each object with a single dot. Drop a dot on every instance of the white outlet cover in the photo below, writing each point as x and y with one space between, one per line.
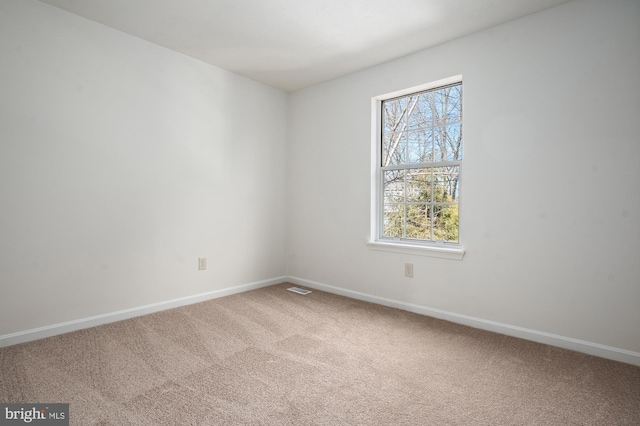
408 270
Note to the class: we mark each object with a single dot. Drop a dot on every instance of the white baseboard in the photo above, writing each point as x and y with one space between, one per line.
595 349
590 348
66 327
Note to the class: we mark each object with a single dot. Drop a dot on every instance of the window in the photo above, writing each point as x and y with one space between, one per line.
418 157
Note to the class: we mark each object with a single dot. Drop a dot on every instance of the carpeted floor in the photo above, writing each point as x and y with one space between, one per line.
272 357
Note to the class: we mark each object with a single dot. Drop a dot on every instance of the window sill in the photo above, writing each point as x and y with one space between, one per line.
442 252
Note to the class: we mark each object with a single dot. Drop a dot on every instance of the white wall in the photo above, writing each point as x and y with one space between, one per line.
550 213
121 163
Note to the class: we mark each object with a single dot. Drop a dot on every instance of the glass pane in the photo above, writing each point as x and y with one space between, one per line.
393 220
439 116
418 185
420 146
446 184
454 142
394 149
447 105
393 186
445 222
418 222
394 115
454 105
440 143
421 115
448 142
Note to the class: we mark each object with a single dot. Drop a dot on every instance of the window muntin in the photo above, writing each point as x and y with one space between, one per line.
420 158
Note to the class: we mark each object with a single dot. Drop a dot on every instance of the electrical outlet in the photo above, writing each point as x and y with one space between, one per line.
408 270
202 263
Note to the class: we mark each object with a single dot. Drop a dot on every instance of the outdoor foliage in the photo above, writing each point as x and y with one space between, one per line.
421 153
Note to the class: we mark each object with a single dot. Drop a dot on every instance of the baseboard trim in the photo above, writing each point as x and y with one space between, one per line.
590 348
577 345
69 326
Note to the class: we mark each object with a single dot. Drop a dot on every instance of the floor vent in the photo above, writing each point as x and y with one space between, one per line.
299 290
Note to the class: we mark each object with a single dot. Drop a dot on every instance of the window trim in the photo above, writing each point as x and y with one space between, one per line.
438 249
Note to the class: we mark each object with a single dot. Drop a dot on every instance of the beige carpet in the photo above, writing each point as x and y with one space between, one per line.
272 357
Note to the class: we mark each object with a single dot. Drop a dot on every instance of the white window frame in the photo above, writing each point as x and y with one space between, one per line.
438 249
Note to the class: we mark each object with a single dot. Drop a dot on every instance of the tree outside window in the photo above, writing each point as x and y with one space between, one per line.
421 153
